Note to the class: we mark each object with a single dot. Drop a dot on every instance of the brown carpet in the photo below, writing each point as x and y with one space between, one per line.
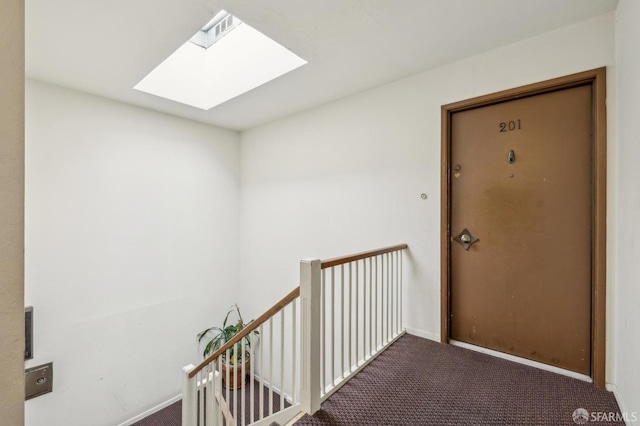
421 382
168 416
172 415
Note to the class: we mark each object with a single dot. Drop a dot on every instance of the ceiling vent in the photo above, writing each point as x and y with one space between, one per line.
218 27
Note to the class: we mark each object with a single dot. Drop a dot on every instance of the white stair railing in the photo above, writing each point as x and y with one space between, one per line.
350 311
269 390
361 312
206 381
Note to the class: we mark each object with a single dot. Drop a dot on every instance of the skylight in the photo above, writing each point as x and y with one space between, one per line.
223 60
218 27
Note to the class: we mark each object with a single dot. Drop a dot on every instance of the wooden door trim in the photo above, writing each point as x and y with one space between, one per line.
597 79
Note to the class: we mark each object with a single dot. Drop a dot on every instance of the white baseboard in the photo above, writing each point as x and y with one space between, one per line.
151 411
524 361
276 390
624 408
423 334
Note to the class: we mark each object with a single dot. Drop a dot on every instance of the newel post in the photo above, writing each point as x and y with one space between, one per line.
189 397
310 282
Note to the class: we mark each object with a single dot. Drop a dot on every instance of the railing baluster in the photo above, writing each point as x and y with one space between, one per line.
382 300
200 397
323 327
364 309
398 297
370 307
342 322
209 397
235 387
349 303
217 371
401 289
363 315
388 301
385 297
392 298
243 371
395 293
252 375
357 328
205 389
225 362
203 395
375 322
271 366
333 326
282 359
294 344
261 413
398 284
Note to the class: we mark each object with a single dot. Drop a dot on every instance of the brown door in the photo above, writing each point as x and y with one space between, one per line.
521 184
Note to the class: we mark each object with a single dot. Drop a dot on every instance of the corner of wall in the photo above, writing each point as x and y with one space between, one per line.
12 211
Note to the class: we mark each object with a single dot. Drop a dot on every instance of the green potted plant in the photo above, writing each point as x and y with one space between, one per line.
236 358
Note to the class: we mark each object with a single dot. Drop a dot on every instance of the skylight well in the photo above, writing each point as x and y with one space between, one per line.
223 60
217 28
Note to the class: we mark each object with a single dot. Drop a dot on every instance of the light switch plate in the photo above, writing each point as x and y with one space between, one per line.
38 380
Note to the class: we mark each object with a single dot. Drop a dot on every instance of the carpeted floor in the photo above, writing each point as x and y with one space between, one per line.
421 382
172 415
168 416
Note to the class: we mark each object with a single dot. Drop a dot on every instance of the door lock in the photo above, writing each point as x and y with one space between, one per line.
465 239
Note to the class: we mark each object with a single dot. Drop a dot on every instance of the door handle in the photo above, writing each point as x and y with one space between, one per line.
465 239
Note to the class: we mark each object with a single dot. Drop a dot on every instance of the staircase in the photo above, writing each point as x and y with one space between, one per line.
346 311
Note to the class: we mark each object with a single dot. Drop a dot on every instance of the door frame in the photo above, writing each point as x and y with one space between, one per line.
597 79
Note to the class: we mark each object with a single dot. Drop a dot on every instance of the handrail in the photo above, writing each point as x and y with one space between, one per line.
359 256
248 329
288 299
225 409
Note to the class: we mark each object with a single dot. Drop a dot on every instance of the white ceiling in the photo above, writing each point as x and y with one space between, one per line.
106 47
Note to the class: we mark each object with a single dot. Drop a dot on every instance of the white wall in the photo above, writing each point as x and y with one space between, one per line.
131 249
348 176
132 216
627 311
12 212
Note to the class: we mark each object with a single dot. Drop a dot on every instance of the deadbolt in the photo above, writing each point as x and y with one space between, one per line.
465 239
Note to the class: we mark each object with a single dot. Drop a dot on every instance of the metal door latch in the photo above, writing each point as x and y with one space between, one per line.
465 239
38 380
